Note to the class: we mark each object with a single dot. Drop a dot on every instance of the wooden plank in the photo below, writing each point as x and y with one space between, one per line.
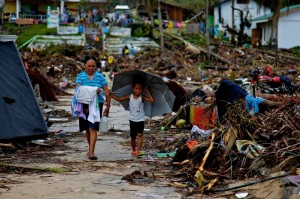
24 21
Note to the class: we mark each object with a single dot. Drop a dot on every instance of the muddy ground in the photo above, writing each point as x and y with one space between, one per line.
62 170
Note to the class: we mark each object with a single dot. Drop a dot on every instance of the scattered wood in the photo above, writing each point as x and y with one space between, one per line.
8 145
201 167
280 55
196 49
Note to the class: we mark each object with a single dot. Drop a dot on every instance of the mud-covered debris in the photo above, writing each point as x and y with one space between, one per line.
137 177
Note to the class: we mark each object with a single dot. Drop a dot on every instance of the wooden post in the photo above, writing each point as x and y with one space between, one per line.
207 28
160 27
232 21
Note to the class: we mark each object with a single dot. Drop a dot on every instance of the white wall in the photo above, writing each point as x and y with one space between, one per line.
289 30
266 32
226 12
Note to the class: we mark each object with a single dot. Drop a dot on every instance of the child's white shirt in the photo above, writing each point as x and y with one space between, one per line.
136 107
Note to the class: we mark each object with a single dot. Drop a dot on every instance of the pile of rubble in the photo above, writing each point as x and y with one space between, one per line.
261 146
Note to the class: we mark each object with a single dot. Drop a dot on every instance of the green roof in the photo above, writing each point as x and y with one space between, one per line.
270 15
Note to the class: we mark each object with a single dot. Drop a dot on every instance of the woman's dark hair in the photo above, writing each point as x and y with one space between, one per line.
87 58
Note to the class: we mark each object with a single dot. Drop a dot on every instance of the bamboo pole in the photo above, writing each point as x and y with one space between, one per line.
211 146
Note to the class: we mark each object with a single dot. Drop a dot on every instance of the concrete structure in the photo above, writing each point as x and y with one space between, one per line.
5 38
288 27
114 45
39 7
222 12
42 41
122 7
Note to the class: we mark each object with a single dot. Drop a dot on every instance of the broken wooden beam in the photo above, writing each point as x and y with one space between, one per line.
8 145
273 54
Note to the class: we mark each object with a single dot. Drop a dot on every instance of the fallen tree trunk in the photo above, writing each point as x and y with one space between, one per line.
196 49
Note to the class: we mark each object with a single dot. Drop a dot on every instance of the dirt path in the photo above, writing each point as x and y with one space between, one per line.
87 179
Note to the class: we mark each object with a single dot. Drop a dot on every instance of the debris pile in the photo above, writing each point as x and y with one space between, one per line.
245 146
175 58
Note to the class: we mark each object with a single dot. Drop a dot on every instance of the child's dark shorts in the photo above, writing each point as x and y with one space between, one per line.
136 127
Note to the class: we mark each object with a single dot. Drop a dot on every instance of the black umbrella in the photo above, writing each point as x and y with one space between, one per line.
163 97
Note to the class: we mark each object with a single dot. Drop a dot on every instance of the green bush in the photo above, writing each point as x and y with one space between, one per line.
138 32
296 50
196 39
178 43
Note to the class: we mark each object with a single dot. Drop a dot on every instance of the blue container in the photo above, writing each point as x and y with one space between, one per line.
80 29
106 30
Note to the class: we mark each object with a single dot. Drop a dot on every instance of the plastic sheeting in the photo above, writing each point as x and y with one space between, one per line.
20 115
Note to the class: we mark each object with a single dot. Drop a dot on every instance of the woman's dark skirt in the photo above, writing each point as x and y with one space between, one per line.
85 124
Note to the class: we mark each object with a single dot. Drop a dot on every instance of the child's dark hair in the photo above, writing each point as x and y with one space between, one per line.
87 58
138 82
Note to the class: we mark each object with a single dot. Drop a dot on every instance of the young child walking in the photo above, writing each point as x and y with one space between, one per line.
137 114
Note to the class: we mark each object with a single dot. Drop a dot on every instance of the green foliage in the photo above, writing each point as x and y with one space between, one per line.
26 32
178 43
141 30
296 50
138 32
183 32
203 64
196 39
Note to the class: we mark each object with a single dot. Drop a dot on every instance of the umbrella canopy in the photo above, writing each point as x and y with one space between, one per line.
162 95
